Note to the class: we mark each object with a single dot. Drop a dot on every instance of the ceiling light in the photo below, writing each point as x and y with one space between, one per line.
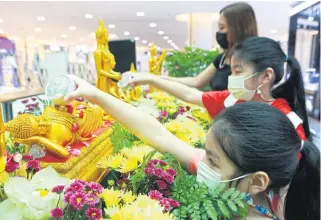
144 41
152 25
137 38
150 44
126 33
160 32
166 37
41 18
1 20
92 35
89 16
140 14
37 29
81 39
310 18
273 31
169 41
1 31
63 36
72 28
111 26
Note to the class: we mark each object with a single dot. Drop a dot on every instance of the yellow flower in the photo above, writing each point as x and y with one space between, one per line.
173 126
115 161
129 165
114 213
22 171
2 163
128 197
4 176
111 197
137 152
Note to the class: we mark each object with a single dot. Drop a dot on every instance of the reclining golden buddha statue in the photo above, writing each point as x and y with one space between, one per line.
57 127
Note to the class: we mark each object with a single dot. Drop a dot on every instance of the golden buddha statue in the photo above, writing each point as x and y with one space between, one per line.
155 63
135 93
2 143
105 63
57 127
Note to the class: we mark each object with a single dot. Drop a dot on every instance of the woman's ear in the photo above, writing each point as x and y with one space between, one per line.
268 75
259 183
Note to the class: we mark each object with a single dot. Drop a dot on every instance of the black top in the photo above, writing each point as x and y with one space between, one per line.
220 79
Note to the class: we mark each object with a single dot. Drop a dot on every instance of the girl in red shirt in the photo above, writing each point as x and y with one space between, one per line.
257 66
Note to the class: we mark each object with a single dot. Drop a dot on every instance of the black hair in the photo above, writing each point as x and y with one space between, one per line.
262 53
272 145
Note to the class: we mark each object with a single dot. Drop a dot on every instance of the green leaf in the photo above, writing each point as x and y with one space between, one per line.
217 190
242 195
231 205
239 203
228 193
223 209
235 194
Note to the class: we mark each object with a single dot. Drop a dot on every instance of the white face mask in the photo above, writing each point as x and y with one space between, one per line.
210 177
236 86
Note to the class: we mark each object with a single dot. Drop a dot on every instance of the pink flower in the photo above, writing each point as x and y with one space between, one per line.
156 195
96 187
76 186
159 173
93 213
27 157
163 114
169 203
161 184
78 200
33 165
149 171
152 163
33 99
163 163
171 171
25 101
165 203
174 203
168 178
57 213
67 197
92 200
58 189
11 166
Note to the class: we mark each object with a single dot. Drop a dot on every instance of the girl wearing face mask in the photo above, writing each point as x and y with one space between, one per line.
237 22
257 66
258 157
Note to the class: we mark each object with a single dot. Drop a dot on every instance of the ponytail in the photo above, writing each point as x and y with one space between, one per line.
303 197
293 91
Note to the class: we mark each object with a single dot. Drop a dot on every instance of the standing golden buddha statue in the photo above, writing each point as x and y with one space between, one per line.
155 63
2 143
135 93
105 63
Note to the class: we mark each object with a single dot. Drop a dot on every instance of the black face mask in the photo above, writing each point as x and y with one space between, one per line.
221 39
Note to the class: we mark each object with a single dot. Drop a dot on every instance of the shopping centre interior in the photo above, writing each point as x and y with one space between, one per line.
41 40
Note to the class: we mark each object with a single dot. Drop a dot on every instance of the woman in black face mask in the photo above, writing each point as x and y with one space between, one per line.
237 22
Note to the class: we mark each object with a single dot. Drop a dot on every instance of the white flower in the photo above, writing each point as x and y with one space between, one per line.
32 200
17 158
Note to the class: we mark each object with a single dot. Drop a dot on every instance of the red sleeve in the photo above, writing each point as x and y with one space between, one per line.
284 107
214 101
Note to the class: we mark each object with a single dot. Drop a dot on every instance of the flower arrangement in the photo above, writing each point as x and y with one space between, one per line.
121 205
187 129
